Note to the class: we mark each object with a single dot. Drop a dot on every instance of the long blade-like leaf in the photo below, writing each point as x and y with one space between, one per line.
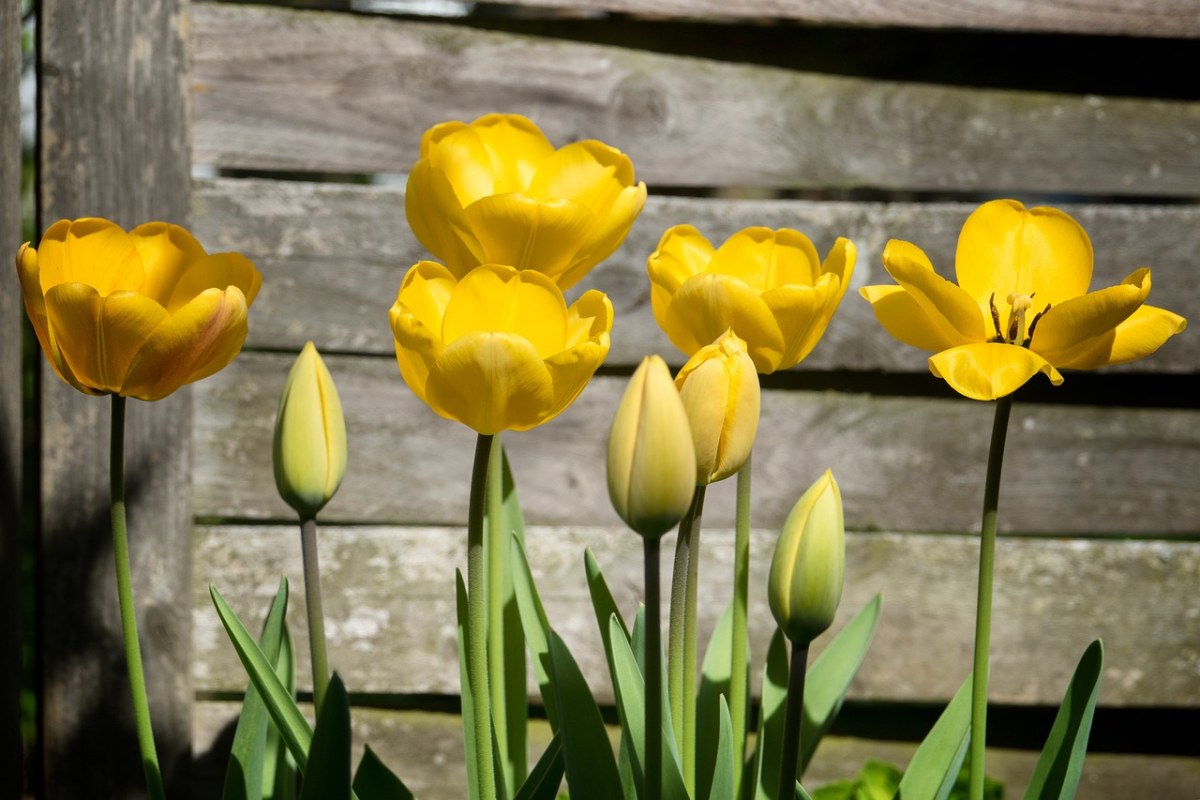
721 786
292 725
328 773
464 684
546 775
1056 775
590 766
244 775
771 720
829 678
715 684
535 625
279 769
934 767
374 781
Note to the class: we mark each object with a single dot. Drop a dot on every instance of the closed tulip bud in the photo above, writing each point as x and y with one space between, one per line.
720 391
651 459
805 585
310 436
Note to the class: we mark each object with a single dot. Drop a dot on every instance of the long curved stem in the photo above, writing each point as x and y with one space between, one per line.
741 592
681 636
477 662
316 616
129 632
983 606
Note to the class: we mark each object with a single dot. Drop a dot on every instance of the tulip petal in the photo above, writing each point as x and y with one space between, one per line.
589 317
954 314
35 308
589 172
589 324
707 305
195 342
494 298
799 311
436 217
216 271
166 251
426 292
765 259
417 348
904 319
491 381
92 251
517 230
987 370
1076 325
608 232
840 262
1141 334
517 148
1004 248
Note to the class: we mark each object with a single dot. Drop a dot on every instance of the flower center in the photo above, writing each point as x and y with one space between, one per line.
1019 306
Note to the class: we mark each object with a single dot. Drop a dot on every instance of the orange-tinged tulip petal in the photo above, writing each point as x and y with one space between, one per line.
989 370
166 251
92 251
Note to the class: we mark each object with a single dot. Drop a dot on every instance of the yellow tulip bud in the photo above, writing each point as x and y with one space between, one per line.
805 585
651 459
720 391
310 436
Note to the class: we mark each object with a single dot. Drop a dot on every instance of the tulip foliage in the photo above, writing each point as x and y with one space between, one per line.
486 339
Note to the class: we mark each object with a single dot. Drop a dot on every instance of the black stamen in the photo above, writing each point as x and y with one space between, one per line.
996 317
1033 324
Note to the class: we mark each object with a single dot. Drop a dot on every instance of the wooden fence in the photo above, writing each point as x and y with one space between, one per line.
289 109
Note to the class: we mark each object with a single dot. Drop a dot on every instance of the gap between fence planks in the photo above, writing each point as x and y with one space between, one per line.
389 607
903 463
333 256
278 89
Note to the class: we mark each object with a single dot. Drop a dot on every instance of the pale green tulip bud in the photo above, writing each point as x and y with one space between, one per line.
719 387
805 585
310 436
651 459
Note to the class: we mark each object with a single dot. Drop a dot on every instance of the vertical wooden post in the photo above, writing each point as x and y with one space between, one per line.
10 402
112 141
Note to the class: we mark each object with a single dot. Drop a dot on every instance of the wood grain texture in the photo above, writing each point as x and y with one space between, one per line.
113 143
389 607
426 751
12 315
288 90
903 463
333 256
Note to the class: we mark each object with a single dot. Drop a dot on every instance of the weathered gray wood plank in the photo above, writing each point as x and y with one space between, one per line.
289 90
903 463
389 607
12 315
333 256
114 135
426 751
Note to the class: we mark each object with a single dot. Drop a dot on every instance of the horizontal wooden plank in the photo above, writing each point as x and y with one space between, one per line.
426 751
389 607
285 90
903 463
333 256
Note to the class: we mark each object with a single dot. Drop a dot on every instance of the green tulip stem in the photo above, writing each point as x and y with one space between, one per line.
790 756
983 607
681 637
316 617
495 552
653 770
741 591
477 660
129 632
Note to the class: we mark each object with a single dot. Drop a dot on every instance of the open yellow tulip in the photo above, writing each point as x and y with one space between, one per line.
497 192
769 287
499 349
136 313
1021 306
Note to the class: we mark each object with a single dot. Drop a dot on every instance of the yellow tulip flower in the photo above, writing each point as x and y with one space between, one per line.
769 287
1021 306
804 586
310 436
497 192
720 391
136 313
499 349
651 459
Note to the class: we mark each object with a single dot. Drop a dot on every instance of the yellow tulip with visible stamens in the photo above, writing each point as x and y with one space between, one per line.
1021 305
137 313
497 192
499 349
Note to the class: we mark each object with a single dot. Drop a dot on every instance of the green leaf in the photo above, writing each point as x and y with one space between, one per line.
535 625
830 675
546 775
605 608
771 720
721 786
590 766
328 773
292 725
244 775
374 781
801 794
630 688
279 769
1057 772
934 767
715 684
464 683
